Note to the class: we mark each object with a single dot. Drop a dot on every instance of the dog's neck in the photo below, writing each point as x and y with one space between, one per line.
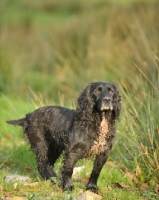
84 116
106 115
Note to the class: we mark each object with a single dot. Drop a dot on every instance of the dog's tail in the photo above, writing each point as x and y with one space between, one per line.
19 122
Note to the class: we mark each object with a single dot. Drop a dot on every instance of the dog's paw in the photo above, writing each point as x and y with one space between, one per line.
68 186
92 187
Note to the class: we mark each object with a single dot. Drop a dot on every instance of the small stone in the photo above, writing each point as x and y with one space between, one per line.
6 198
15 185
18 198
77 170
16 178
31 185
89 196
14 198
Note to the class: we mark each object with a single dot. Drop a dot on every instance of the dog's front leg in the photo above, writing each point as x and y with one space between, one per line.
98 164
69 162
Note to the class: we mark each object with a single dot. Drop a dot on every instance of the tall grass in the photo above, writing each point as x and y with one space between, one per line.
100 43
139 149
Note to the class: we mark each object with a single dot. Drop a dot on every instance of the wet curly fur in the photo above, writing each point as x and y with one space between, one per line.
86 131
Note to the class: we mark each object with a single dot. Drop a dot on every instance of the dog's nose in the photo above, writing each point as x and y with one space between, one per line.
106 99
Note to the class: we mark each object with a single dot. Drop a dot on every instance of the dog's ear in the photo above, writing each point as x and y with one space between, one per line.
85 101
117 103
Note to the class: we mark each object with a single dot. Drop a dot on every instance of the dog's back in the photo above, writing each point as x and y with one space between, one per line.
49 118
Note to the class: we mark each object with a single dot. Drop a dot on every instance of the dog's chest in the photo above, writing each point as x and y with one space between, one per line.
100 144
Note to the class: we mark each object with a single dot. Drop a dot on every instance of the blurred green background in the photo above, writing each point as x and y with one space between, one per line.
58 47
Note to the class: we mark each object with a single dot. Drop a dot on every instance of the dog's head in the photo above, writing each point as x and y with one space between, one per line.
100 97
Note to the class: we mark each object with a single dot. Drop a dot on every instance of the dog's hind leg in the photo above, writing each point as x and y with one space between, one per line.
53 155
46 158
44 167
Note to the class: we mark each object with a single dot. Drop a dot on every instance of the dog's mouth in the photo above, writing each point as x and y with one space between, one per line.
106 106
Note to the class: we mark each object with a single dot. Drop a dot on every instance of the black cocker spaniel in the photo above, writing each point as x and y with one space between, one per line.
86 131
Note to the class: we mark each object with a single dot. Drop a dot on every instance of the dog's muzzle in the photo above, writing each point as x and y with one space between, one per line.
106 104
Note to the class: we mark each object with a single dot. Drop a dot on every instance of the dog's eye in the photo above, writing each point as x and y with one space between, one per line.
110 91
98 91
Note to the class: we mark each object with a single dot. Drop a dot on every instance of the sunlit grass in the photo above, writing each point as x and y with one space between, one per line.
140 131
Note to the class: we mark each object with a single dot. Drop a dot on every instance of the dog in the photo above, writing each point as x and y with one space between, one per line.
87 131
